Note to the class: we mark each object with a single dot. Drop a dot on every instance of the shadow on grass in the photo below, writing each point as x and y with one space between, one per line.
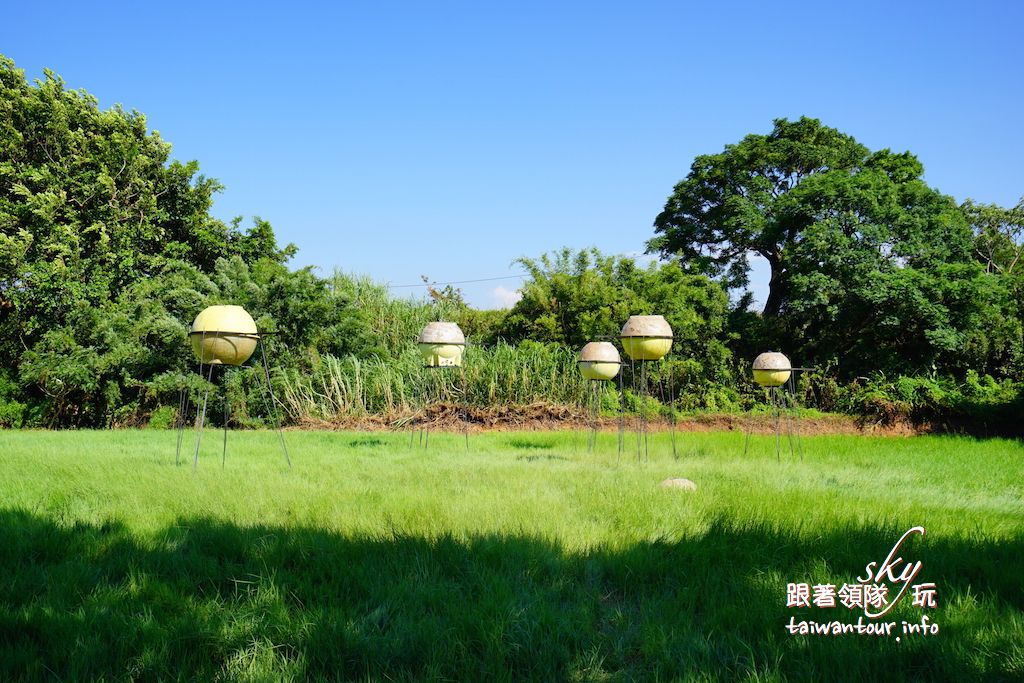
205 600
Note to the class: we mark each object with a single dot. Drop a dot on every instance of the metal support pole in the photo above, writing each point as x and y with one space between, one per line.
180 419
227 415
622 415
748 427
464 407
201 419
794 433
672 412
778 418
642 434
273 404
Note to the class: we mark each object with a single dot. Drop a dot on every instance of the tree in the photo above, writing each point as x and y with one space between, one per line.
97 227
999 247
998 235
871 267
737 202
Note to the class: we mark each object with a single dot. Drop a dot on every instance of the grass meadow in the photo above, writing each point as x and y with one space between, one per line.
522 557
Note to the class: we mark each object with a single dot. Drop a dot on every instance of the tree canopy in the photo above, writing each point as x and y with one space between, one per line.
870 267
108 248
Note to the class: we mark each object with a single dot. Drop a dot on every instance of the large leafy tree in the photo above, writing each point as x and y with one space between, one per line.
870 267
107 249
737 203
999 247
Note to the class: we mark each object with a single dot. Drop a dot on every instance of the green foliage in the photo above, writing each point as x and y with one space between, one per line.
871 269
573 298
998 235
736 202
164 417
978 403
999 246
12 412
108 251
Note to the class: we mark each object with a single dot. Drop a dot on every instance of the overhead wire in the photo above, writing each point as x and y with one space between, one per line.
431 283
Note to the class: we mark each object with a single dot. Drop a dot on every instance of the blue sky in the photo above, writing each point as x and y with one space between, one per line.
400 139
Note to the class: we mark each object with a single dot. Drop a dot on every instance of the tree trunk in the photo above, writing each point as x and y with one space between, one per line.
776 291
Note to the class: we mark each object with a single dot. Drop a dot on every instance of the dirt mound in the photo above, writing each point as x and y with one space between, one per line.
549 417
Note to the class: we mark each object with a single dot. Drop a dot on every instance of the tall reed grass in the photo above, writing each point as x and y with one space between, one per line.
499 375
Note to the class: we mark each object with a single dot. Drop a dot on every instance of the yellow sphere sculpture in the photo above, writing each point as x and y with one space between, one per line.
772 369
441 345
223 335
646 337
599 361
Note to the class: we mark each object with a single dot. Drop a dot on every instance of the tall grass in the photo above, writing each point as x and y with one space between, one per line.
503 374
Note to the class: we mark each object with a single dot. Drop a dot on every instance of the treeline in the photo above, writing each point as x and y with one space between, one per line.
909 305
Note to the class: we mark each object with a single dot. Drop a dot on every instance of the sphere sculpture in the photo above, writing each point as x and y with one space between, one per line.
599 361
772 369
223 335
441 345
646 337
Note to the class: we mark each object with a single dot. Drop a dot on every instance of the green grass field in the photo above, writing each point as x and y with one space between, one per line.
525 557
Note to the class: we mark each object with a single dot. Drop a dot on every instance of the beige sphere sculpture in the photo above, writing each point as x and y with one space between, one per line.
441 345
772 369
646 337
599 361
223 335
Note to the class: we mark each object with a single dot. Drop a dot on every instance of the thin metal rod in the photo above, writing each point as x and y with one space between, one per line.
622 418
789 422
633 376
273 404
227 414
185 400
748 427
464 407
672 411
641 436
778 418
181 418
794 429
200 420
595 397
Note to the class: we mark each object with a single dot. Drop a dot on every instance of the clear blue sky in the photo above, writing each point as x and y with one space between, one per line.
448 138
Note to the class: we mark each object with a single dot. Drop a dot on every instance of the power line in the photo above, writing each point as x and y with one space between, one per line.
459 282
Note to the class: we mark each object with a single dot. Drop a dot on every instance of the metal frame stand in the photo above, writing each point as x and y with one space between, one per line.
200 420
622 417
642 444
595 413
431 397
671 406
642 448
783 408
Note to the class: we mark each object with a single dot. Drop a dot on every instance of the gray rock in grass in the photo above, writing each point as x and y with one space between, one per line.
679 483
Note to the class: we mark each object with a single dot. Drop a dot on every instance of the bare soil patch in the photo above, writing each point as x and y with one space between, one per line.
539 417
